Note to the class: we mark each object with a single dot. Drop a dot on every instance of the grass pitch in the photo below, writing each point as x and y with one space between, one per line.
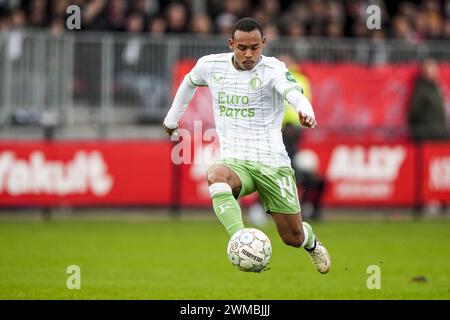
187 260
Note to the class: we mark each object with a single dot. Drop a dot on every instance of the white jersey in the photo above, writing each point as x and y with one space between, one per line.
248 106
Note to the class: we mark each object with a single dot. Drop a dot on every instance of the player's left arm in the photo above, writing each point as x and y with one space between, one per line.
291 91
303 107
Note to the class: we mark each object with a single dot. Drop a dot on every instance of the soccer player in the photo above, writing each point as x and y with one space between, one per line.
248 91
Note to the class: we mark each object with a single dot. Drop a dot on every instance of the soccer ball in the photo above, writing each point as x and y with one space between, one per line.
249 250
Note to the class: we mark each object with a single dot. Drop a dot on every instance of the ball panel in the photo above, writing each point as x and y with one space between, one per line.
246 265
246 237
268 249
257 246
260 235
234 258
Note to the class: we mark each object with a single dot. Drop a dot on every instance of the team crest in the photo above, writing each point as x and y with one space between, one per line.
255 83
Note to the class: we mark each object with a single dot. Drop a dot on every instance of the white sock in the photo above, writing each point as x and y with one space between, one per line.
309 241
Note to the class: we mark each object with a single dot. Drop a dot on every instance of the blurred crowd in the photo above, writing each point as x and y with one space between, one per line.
408 20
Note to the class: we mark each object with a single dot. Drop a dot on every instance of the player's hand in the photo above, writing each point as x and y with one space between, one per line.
170 131
307 121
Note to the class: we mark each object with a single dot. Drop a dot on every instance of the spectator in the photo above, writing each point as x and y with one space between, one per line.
420 27
177 17
116 15
295 29
147 7
401 29
410 12
57 27
317 18
297 11
406 39
237 8
4 23
359 30
335 11
37 16
157 26
58 9
224 23
201 24
272 8
446 32
92 14
427 119
231 12
334 29
431 9
271 31
263 16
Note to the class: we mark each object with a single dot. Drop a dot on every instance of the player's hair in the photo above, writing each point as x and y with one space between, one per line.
246 25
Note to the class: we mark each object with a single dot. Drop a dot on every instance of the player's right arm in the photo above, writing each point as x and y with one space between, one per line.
184 95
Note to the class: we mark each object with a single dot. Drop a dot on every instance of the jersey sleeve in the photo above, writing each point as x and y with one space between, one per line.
197 76
284 81
286 85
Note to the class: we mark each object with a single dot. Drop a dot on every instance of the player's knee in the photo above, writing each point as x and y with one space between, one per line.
214 176
293 238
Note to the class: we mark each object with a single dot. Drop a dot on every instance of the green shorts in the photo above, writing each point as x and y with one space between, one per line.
276 186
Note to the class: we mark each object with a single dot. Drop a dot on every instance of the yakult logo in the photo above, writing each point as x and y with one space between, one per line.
365 173
86 172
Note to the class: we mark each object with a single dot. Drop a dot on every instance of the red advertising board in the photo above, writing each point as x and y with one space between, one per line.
141 173
436 172
365 174
85 173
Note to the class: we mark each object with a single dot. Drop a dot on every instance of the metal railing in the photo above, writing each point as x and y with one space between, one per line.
103 80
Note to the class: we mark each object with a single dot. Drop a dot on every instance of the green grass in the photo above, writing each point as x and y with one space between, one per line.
187 260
